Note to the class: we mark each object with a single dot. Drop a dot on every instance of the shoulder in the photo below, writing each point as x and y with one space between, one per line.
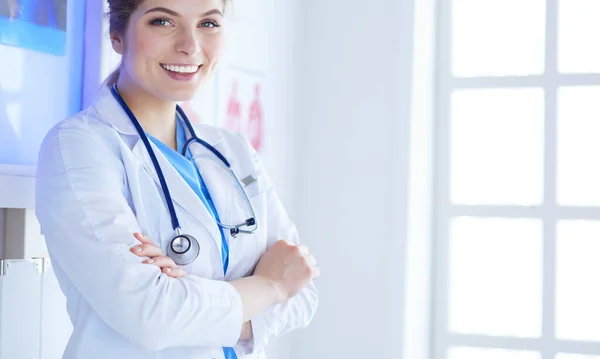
84 130
81 140
87 122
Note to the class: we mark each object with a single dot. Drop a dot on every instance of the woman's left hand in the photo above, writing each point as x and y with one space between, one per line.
156 256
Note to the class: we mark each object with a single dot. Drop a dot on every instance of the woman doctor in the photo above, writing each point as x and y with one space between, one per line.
218 270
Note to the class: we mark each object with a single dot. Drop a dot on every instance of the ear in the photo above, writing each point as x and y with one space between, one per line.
117 43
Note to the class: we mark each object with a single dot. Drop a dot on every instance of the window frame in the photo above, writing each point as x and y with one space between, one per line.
549 212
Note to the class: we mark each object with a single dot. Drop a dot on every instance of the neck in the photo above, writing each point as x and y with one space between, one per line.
156 116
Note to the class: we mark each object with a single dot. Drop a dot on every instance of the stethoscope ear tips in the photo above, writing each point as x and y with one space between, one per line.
234 232
250 221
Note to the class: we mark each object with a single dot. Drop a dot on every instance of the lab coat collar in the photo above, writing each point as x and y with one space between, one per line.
112 113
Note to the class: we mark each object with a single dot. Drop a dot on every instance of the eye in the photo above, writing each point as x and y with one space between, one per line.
161 22
209 24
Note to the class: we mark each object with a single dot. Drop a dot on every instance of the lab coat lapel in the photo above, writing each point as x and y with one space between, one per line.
111 111
181 193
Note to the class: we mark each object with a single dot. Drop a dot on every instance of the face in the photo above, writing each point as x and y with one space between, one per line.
170 47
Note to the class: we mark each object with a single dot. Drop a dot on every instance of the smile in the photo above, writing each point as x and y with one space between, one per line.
189 69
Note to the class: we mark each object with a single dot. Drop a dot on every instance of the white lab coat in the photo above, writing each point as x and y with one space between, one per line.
96 186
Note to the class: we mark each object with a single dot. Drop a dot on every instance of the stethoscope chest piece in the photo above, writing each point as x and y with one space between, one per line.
183 249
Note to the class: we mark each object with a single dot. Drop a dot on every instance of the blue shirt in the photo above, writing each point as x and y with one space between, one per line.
190 173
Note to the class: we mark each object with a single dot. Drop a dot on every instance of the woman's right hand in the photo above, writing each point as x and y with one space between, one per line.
156 257
290 267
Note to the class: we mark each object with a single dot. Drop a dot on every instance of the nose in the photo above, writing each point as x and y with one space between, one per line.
188 42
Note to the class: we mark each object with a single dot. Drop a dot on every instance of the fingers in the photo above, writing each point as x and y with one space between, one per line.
167 266
310 260
162 262
312 263
143 238
174 272
316 273
147 248
156 256
303 250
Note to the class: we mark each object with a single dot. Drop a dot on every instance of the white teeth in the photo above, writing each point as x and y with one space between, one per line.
181 69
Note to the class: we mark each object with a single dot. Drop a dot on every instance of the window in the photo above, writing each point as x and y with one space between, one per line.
518 180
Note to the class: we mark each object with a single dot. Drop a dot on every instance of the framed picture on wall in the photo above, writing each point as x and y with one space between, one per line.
241 106
37 88
39 25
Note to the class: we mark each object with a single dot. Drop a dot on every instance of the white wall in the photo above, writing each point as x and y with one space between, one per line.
355 104
281 139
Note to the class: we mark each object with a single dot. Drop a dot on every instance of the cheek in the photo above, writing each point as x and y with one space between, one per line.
214 47
143 50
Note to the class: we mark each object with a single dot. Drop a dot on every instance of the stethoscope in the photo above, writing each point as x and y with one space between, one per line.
184 248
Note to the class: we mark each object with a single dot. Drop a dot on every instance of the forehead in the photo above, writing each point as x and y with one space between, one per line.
183 7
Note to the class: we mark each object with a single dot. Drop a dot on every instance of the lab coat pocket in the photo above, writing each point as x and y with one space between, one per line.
253 185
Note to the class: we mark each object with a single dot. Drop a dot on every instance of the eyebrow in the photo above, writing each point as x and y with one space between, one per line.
173 13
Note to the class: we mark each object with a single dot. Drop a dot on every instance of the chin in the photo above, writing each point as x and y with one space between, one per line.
180 95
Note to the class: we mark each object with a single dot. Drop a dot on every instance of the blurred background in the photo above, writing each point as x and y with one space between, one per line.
437 157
